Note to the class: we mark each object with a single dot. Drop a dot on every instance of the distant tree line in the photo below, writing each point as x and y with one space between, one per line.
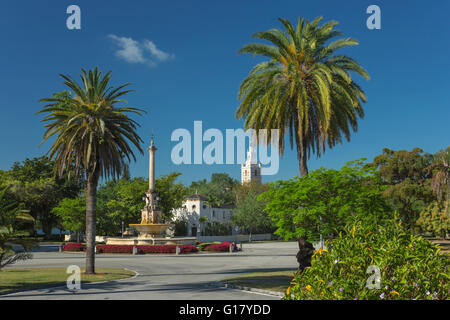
413 183
61 203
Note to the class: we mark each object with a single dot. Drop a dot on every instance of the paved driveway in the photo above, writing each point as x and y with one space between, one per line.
167 277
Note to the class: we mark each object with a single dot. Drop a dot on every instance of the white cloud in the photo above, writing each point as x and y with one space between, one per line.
155 52
129 49
144 52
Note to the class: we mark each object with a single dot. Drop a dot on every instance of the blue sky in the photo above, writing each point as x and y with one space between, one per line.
186 68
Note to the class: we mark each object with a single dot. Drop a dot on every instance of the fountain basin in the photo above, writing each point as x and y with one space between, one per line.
151 234
151 241
150 230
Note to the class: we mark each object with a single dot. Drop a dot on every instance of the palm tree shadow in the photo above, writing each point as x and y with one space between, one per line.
141 285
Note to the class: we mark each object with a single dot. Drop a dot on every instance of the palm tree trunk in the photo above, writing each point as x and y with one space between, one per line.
301 149
302 161
47 229
91 205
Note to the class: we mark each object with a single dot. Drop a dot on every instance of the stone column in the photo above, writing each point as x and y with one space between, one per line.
151 173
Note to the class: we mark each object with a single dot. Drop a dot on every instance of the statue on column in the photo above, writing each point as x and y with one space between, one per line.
151 214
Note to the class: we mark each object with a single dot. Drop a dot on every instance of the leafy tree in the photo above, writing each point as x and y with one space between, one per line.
219 190
199 187
249 215
180 227
406 175
105 225
126 203
33 185
93 136
13 231
242 190
441 176
41 196
72 213
435 219
121 200
324 201
304 88
172 194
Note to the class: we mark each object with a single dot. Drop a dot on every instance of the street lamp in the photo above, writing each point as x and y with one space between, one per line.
122 229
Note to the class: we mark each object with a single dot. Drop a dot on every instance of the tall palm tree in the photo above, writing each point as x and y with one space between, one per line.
441 175
93 137
304 88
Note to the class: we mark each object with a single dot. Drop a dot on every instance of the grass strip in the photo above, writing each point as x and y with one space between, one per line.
18 279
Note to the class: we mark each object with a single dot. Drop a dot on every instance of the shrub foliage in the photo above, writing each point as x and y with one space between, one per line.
435 219
409 266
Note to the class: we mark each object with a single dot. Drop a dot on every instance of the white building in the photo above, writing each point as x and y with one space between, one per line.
250 169
195 207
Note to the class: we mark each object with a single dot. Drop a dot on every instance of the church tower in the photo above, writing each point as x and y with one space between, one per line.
250 169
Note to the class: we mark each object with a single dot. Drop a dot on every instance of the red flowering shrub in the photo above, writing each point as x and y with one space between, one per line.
111 248
74 247
220 247
143 249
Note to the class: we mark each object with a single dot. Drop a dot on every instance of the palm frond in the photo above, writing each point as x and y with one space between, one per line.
304 90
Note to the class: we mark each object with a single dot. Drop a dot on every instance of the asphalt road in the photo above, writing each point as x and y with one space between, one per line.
165 277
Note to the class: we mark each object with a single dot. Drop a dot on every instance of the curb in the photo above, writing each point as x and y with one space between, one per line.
256 290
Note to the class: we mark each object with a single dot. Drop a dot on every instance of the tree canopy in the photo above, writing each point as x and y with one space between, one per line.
219 190
408 181
324 201
72 213
33 185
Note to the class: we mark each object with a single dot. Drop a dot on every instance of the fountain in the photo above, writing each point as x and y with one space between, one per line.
151 230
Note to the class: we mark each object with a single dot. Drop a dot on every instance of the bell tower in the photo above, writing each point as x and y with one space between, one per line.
250 169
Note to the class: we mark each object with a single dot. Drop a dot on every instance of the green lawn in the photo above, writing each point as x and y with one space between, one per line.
22 279
273 280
